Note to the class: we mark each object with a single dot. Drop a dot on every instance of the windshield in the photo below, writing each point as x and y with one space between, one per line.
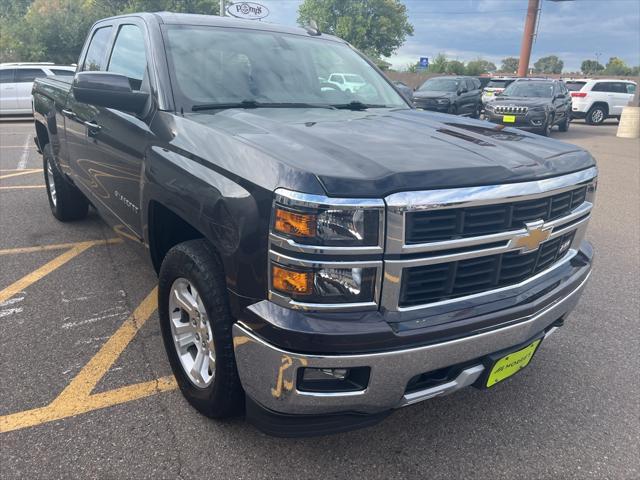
498 83
440 85
529 89
226 66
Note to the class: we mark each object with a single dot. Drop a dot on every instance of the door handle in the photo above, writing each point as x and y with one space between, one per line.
68 113
92 128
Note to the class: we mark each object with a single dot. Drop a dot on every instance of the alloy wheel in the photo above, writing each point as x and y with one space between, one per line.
192 333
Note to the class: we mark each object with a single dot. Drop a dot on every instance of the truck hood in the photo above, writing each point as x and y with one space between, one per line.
376 152
433 94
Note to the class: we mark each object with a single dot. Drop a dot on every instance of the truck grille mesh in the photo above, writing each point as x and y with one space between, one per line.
452 223
511 109
442 281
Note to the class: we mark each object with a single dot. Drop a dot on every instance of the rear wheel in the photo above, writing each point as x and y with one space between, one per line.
596 115
66 201
196 323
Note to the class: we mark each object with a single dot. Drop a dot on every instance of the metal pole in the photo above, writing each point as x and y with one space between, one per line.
222 12
527 37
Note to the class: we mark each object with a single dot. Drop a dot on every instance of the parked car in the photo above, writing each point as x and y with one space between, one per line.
532 104
16 81
455 95
484 80
322 261
347 82
599 99
495 87
405 90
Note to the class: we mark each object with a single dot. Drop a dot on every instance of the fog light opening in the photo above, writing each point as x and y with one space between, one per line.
333 380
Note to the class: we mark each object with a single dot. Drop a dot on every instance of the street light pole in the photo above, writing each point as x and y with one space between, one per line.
527 37
222 12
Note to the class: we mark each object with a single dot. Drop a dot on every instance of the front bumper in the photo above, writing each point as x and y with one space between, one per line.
269 374
532 120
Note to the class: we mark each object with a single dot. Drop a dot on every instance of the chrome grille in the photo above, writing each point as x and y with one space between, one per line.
444 245
449 224
510 109
442 281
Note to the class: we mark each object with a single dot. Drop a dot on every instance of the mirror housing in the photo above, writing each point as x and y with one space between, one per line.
110 90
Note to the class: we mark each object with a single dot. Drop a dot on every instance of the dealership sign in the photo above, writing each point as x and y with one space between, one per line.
247 10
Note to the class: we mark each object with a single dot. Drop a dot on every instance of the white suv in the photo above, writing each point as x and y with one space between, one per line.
347 82
598 99
16 80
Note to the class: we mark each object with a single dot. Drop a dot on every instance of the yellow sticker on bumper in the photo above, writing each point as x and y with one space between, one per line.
509 118
511 364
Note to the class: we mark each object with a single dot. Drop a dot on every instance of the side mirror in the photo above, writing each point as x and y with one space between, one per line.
110 90
462 90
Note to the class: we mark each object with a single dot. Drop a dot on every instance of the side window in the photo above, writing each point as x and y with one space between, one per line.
620 87
631 88
97 49
476 83
24 75
339 79
602 87
6 75
128 56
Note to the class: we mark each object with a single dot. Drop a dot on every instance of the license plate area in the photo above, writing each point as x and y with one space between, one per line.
509 118
506 363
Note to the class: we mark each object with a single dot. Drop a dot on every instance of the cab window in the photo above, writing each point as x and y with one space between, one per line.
26 75
6 75
95 58
128 56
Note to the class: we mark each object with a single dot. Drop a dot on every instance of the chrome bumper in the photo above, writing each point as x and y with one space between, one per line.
268 374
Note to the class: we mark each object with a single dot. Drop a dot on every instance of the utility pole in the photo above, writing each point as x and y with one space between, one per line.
527 37
222 12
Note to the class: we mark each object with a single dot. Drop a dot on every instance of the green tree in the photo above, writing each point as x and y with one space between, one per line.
377 27
438 64
549 64
455 67
510 64
617 66
480 66
591 66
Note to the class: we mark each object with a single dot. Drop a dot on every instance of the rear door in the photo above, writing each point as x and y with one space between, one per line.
621 97
8 96
24 78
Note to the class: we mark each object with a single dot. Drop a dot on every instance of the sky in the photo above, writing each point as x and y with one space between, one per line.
492 29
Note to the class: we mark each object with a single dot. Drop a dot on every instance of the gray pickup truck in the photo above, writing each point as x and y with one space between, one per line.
324 256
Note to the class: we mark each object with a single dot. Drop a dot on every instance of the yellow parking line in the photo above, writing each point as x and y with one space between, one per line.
76 398
56 246
46 269
20 173
22 187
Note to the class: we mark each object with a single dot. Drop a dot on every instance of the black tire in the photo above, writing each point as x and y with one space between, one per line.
476 112
66 201
564 125
453 109
596 115
196 262
545 131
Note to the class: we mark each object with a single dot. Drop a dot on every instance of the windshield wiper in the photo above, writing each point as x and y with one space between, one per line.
256 104
356 105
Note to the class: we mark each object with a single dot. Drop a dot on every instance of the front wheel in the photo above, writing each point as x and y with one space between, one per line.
453 109
67 203
564 125
196 323
545 131
476 112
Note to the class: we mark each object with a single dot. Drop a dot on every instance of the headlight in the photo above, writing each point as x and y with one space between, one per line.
309 234
488 106
312 220
443 101
323 285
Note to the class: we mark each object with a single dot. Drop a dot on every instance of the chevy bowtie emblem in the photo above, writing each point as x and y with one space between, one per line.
536 234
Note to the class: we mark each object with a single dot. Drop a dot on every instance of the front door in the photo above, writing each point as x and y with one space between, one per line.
115 140
8 95
24 84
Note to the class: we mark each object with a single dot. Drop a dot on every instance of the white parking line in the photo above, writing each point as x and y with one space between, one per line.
22 164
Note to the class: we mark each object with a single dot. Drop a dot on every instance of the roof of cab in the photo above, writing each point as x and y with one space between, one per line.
171 18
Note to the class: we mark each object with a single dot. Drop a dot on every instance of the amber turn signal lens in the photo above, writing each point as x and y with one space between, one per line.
288 281
296 224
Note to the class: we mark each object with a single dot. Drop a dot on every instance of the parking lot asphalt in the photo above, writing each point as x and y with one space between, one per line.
86 391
